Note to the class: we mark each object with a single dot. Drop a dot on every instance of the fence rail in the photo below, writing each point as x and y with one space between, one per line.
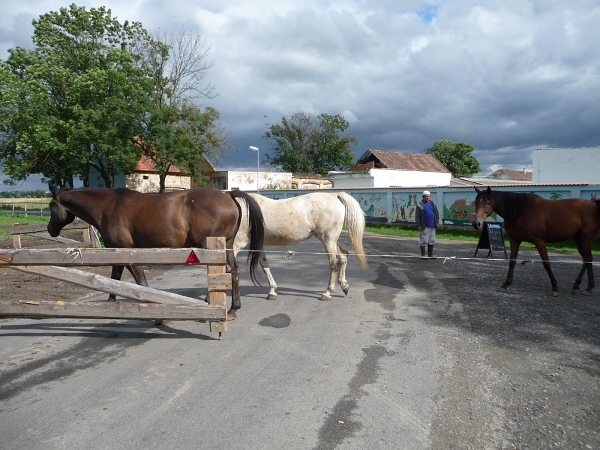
26 206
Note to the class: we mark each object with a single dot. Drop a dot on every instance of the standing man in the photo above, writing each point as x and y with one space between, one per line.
427 218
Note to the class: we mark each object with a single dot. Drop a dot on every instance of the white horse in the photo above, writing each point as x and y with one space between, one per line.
320 214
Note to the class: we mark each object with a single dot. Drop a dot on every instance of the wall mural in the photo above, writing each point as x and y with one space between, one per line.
373 205
404 205
459 208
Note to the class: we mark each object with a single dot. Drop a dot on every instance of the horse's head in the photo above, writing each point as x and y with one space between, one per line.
484 207
59 215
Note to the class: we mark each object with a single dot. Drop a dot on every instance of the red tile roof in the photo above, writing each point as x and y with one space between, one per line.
145 164
402 161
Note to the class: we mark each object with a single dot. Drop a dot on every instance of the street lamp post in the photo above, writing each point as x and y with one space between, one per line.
255 149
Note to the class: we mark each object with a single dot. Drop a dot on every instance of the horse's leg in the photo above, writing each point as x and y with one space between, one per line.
235 284
138 274
115 274
140 278
514 251
342 263
264 263
541 248
331 250
586 254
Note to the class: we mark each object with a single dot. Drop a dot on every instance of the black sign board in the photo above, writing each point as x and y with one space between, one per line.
492 238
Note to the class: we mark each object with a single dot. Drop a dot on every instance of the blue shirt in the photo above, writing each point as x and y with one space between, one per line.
429 214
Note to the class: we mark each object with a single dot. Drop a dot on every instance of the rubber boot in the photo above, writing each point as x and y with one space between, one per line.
429 251
423 253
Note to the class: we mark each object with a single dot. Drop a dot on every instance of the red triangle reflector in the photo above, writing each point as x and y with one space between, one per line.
192 258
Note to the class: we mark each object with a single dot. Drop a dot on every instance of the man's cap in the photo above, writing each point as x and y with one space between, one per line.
426 193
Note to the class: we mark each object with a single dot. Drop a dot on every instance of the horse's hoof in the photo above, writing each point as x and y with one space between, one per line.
502 289
231 315
325 298
345 289
586 293
272 297
158 323
554 294
575 291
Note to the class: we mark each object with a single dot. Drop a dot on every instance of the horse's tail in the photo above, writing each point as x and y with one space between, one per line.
256 230
355 221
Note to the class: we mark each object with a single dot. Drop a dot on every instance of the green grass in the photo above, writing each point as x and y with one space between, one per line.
7 220
467 234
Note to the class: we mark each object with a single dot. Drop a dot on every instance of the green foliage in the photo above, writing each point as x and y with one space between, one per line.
95 92
75 100
305 144
456 156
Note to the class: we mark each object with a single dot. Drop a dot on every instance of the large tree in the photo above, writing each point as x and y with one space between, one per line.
456 156
307 144
75 100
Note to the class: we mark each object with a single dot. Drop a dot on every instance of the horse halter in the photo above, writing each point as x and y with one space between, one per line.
489 207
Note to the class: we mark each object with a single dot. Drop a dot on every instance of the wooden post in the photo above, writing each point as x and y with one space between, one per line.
16 238
216 295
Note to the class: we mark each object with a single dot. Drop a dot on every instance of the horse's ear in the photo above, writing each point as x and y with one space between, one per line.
477 190
52 189
489 190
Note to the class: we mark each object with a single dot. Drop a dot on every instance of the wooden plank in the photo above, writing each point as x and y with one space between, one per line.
62 240
105 284
111 256
219 282
111 310
217 297
40 227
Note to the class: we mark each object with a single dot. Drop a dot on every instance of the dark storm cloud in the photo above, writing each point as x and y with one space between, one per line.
506 76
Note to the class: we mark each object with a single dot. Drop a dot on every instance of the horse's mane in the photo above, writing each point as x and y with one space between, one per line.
512 204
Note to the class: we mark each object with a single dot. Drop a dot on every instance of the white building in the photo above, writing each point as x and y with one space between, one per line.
381 169
245 180
566 165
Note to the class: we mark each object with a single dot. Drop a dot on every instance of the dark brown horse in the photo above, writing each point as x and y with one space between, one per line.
128 219
531 218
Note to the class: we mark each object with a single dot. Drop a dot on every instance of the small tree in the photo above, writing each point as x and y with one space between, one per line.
305 144
456 156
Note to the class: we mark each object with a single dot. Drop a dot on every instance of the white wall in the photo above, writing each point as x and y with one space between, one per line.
246 180
566 165
383 178
151 182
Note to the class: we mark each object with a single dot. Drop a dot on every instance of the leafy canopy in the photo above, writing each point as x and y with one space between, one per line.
456 156
98 93
308 144
75 100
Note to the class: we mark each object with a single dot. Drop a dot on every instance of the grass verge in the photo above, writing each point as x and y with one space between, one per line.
7 220
467 234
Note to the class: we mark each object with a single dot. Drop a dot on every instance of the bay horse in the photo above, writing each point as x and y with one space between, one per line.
131 219
296 219
531 218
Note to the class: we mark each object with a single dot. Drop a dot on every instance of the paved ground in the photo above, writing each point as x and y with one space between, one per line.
420 354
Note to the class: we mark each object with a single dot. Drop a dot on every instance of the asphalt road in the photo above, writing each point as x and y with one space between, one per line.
419 355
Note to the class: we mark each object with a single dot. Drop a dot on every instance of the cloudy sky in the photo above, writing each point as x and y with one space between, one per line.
506 76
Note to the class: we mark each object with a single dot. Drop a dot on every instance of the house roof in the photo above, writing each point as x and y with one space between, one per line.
507 174
145 164
421 162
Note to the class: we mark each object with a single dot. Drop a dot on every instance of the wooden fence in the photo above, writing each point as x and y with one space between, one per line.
148 303
40 230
